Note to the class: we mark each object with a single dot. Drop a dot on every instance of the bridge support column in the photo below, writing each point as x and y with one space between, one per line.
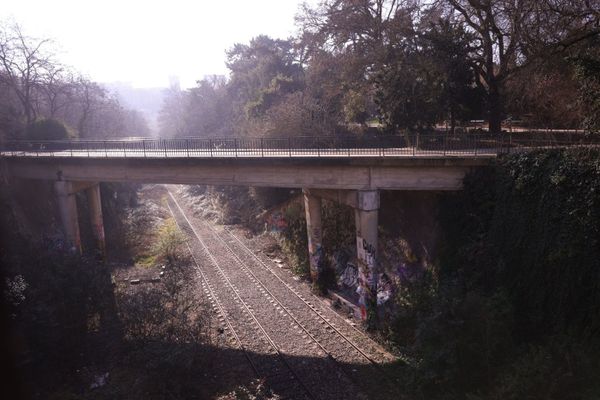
366 218
67 205
312 207
95 206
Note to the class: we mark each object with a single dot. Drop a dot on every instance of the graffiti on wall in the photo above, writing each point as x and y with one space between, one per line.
316 260
276 222
366 252
315 250
277 219
367 277
349 277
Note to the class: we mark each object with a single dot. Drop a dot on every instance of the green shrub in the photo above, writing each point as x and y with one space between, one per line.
461 343
338 227
295 240
513 310
169 241
47 129
558 368
545 237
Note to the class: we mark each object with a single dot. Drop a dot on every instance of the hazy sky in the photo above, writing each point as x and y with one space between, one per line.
146 42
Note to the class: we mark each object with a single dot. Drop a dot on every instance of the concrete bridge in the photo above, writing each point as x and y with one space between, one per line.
351 172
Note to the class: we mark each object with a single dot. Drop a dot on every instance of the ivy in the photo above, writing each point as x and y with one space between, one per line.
545 234
517 299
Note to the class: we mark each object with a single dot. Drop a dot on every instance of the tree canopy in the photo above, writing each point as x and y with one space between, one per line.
35 87
409 65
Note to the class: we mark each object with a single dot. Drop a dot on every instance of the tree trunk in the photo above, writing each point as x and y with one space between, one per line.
28 116
452 119
494 108
81 126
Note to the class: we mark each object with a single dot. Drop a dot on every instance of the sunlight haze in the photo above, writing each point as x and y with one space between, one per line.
144 43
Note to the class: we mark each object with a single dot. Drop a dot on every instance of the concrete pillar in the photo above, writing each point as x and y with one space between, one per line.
366 218
67 205
312 207
95 206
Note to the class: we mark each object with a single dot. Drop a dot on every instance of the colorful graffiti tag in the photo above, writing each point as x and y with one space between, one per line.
276 222
315 251
367 260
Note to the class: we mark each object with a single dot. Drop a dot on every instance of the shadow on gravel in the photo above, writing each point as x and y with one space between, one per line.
185 371
72 343
66 337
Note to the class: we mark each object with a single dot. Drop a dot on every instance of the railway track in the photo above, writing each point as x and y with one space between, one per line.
300 315
322 313
277 372
346 331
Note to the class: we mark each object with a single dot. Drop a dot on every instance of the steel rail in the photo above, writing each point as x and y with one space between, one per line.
310 307
313 309
243 303
241 264
213 295
329 354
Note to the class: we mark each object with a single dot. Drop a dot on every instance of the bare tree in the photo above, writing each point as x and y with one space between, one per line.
58 89
25 62
172 116
89 95
9 114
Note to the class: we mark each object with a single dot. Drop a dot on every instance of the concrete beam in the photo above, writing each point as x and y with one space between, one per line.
95 210
333 173
78 186
312 207
67 205
364 200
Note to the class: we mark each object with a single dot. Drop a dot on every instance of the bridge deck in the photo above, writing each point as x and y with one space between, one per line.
422 162
259 153
413 145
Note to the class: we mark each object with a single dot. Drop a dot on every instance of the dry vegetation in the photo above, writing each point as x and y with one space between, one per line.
137 327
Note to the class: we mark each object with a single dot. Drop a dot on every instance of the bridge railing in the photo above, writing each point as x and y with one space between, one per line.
472 144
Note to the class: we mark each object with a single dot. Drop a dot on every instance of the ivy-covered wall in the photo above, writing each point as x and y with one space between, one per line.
532 227
511 308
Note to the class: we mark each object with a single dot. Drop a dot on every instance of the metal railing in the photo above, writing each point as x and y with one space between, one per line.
325 146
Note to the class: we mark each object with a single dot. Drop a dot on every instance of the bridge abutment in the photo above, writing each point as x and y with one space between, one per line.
366 211
67 204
